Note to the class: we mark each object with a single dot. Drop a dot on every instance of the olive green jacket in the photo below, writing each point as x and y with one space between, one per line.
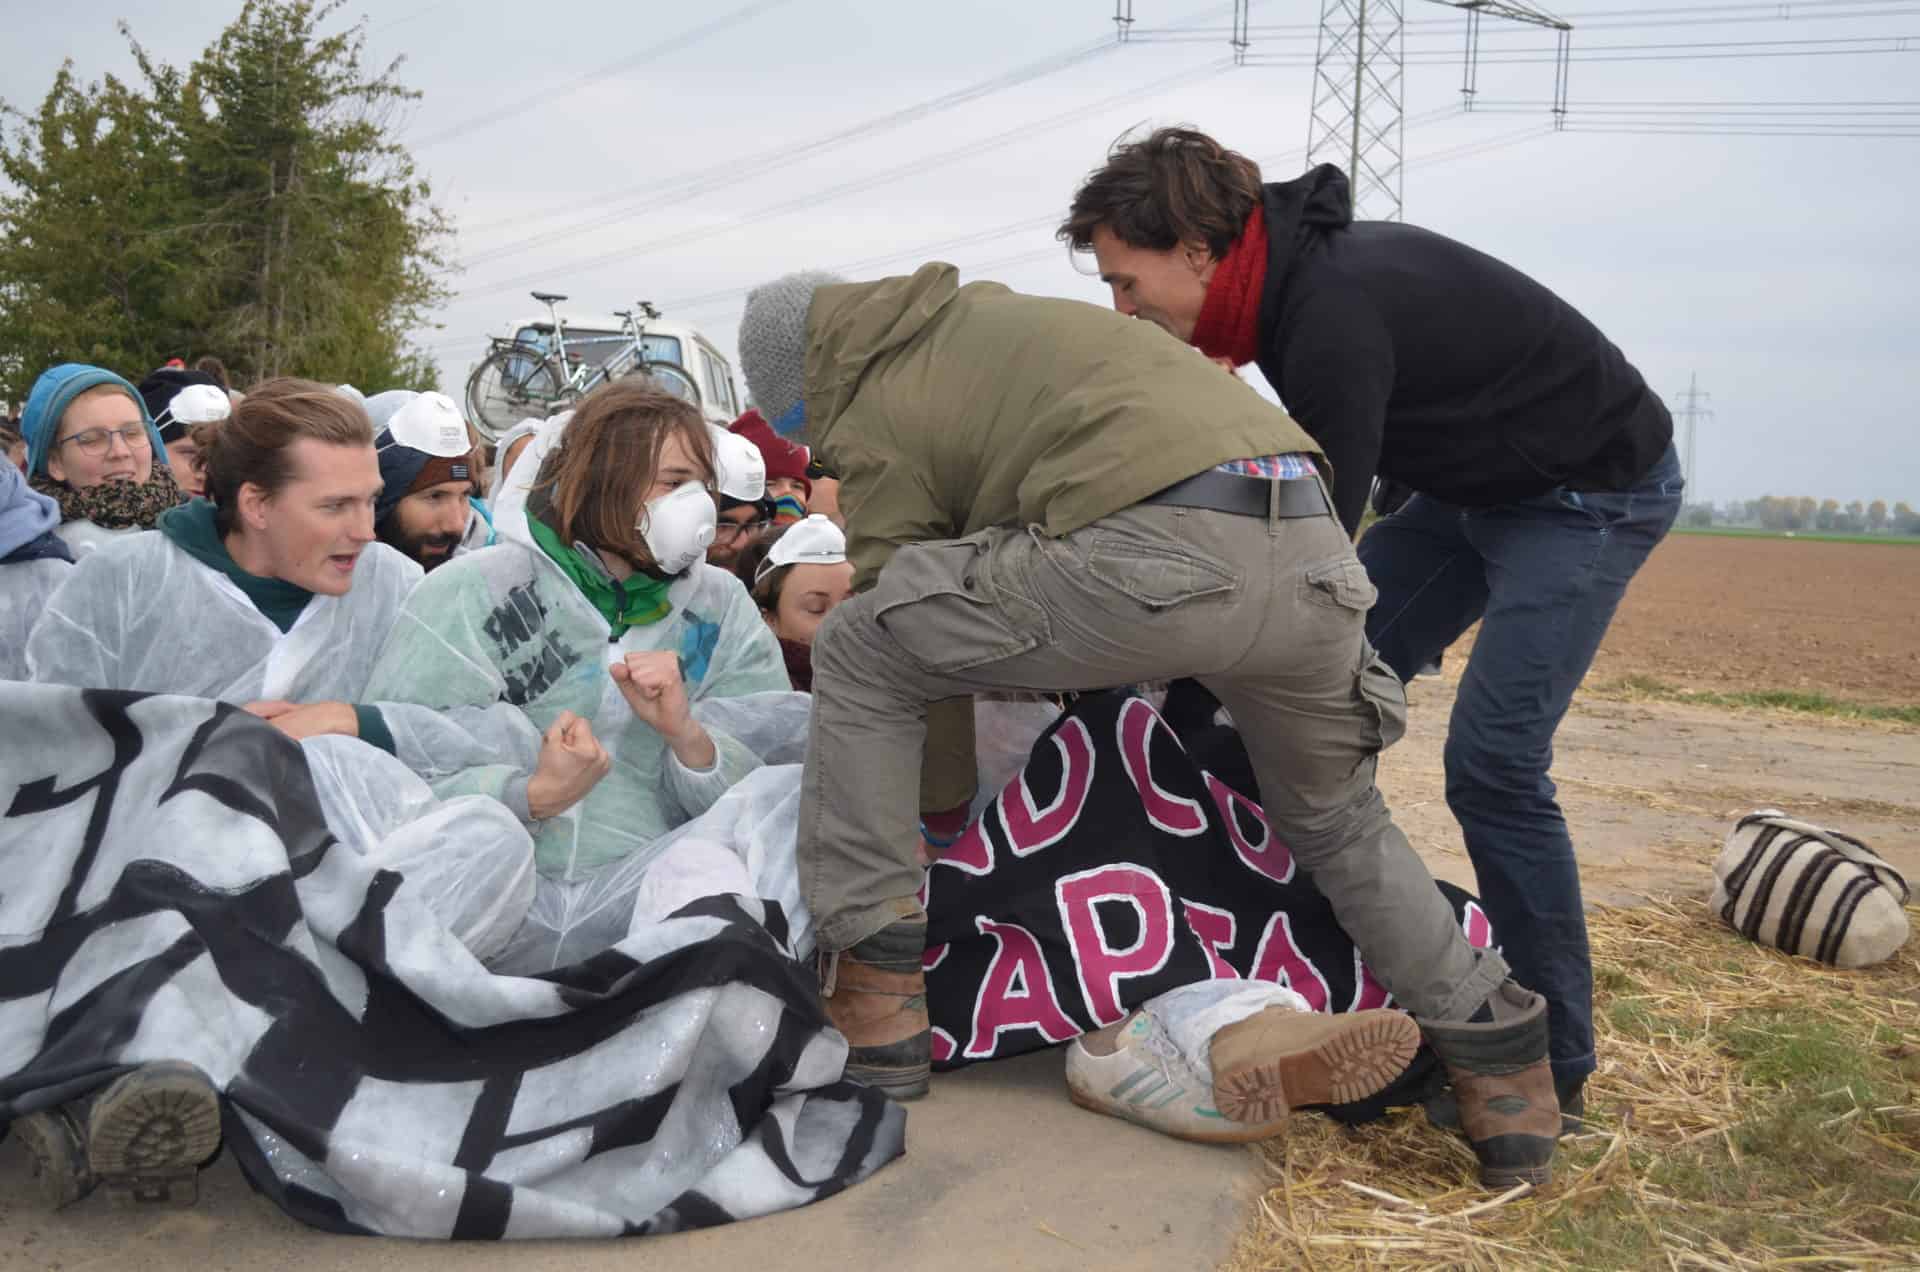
945 410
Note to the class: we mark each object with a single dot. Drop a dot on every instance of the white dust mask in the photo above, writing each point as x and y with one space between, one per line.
678 527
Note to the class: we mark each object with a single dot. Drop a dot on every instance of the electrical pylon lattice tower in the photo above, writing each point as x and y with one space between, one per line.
1358 117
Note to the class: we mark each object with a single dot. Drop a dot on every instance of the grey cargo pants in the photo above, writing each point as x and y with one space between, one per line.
1267 613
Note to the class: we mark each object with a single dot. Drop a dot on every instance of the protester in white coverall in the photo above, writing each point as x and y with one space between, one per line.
272 595
34 560
597 615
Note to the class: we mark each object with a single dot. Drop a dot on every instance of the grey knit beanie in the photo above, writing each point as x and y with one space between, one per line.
773 339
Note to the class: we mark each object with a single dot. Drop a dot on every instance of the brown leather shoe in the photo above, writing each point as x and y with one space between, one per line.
876 994
1504 1087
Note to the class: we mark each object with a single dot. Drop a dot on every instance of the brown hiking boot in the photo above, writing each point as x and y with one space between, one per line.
1503 1086
876 994
1280 1059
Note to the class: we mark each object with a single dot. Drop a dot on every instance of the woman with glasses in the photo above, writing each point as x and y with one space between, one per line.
93 450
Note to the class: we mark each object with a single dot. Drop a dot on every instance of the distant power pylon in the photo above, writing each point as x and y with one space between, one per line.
1691 413
1358 117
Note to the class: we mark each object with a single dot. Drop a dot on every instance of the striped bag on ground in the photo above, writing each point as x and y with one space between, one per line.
1809 891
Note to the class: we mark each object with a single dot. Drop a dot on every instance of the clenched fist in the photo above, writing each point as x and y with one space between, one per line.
651 684
572 762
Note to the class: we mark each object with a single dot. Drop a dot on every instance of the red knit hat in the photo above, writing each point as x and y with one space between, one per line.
784 459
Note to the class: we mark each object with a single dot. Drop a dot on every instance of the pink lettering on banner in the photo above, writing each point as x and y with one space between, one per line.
1016 992
1172 813
1269 857
1100 966
1477 926
1280 960
943 1045
1216 931
972 852
1368 992
934 956
1029 829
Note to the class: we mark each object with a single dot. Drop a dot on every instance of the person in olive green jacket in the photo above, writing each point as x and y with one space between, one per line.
1043 495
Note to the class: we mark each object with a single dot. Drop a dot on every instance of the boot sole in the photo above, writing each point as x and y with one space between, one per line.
1268 1070
1242 1135
59 1156
149 1132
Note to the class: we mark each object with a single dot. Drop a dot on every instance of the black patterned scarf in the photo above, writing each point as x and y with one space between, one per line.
114 505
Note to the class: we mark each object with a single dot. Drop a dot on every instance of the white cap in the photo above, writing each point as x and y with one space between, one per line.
741 467
197 404
350 393
432 424
813 540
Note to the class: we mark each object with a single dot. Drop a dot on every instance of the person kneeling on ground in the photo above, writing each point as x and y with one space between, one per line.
92 449
746 506
427 510
34 561
269 592
179 402
797 577
1043 495
602 609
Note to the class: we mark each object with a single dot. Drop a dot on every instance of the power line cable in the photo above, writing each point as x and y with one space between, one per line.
547 97
1022 132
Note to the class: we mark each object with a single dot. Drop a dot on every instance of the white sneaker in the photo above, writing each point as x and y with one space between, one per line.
1146 1080
1264 1067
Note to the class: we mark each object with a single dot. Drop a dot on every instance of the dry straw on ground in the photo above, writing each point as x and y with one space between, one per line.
1751 1109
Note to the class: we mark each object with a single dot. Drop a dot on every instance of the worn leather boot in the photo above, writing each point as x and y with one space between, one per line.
1503 1086
876 994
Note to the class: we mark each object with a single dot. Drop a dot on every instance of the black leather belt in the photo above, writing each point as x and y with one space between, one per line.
1248 496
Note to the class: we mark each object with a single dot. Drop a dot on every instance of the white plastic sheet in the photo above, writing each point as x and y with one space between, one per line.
24 590
468 860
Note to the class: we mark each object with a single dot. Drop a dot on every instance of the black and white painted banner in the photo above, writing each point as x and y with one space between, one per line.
169 890
1113 869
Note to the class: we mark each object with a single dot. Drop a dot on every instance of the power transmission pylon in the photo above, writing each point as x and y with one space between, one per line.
1358 115
1691 413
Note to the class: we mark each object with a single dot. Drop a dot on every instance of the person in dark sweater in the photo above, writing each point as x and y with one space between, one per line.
1542 465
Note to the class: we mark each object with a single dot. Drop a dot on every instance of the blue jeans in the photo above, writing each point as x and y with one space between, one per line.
1543 577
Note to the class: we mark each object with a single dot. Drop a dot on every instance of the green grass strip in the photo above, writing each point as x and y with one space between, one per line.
1772 699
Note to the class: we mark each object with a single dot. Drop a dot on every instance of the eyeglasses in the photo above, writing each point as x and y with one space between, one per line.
728 531
97 441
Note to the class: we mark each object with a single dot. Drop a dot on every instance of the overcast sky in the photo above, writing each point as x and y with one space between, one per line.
1783 271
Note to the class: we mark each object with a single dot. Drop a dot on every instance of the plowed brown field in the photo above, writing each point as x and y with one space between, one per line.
1733 614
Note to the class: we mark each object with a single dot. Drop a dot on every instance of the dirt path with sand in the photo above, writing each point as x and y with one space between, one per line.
1651 788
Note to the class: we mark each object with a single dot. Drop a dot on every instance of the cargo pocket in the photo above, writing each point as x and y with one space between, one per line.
1154 575
945 603
1384 699
1341 584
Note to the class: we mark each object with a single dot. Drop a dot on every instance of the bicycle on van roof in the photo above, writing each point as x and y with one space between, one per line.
533 374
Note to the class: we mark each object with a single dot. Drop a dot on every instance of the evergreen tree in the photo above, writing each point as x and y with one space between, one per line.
254 206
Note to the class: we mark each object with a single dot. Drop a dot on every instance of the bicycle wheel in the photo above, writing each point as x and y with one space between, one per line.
669 376
511 385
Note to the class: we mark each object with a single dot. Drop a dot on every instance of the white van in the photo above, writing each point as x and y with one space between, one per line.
677 355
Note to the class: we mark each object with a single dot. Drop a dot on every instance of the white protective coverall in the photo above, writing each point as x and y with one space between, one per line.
24 589
506 624
142 614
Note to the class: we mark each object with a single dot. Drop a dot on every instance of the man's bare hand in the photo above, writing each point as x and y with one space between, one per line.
300 721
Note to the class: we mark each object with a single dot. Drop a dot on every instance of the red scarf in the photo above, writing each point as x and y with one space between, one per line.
1229 325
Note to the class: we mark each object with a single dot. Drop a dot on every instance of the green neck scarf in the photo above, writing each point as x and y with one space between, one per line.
191 528
638 602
